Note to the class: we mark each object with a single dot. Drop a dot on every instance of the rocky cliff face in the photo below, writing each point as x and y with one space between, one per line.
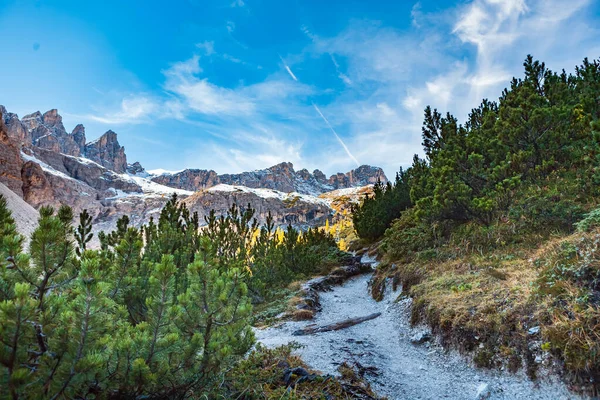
39 162
107 152
281 177
78 135
44 165
189 179
15 129
299 210
10 160
48 132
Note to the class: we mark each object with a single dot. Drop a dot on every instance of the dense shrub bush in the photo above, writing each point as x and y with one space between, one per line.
157 312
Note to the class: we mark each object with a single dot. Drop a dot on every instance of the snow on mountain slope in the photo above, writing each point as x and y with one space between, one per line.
159 171
269 193
45 167
153 188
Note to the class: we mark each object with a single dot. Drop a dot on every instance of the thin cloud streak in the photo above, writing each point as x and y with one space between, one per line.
337 136
339 139
289 70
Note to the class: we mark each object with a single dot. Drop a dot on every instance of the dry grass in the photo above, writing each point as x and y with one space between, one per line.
302 315
261 376
476 304
485 304
295 301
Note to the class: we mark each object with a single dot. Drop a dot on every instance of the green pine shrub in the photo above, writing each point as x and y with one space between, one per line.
163 311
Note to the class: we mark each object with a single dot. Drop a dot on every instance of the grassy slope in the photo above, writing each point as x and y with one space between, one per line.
488 301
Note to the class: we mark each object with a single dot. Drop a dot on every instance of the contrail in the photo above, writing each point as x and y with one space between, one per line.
289 70
336 135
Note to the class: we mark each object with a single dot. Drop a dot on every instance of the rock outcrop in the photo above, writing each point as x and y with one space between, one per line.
15 129
48 132
189 179
78 135
136 169
36 186
281 177
300 211
107 152
10 160
86 171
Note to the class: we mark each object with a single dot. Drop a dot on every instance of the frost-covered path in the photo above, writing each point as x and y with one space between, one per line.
404 370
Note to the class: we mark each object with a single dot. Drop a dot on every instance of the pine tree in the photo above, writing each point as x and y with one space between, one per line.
83 233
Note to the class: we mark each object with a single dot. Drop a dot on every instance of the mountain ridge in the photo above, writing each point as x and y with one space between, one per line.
281 177
47 166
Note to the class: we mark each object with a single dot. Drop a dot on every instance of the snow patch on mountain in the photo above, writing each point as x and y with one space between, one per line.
152 173
45 167
269 194
149 188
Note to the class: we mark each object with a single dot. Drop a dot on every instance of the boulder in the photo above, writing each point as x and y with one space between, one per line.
420 337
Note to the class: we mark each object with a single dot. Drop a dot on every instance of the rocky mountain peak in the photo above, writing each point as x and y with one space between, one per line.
33 120
280 177
320 176
78 135
107 152
136 168
14 127
286 168
366 175
53 119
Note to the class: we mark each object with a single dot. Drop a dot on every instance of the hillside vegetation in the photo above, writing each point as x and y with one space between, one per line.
495 232
163 311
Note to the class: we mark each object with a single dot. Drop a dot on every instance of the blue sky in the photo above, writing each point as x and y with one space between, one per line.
237 85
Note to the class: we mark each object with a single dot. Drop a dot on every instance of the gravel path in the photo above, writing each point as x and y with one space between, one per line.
403 370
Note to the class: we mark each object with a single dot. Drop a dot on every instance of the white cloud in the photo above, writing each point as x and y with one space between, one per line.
200 95
133 110
396 74
238 3
450 60
208 47
230 26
